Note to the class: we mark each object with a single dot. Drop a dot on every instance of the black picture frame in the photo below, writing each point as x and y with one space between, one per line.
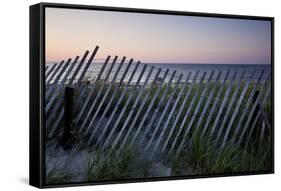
37 90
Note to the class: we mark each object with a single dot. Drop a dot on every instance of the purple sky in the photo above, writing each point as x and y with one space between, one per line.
157 38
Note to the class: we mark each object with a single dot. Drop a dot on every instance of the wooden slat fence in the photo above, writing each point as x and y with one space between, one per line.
160 111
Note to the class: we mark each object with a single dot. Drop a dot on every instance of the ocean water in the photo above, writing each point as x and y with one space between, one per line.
211 71
251 71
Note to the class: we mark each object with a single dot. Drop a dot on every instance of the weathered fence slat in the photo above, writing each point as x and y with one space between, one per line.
54 73
188 111
113 129
53 87
186 114
58 91
210 97
156 110
46 69
167 105
88 64
109 103
92 106
195 113
232 98
73 76
227 114
48 73
57 78
156 94
60 101
59 75
216 101
258 115
117 105
175 104
91 93
65 77
263 114
140 93
70 82
130 128
186 96
58 105
242 96
99 106
62 82
261 135
250 116
252 129
246 111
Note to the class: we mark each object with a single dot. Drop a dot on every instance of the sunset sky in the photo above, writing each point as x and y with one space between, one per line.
156 38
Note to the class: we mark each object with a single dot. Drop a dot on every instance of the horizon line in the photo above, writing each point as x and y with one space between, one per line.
158 62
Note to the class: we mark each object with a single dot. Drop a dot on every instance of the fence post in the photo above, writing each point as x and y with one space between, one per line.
67 137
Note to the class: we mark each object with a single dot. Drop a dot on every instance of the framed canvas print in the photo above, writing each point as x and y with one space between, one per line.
126 95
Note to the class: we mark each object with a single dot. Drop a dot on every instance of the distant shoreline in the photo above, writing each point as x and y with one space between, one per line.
166 63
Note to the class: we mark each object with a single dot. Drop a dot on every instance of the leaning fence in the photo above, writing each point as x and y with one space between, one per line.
159 110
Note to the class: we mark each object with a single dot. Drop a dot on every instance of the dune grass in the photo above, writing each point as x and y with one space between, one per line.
56 174
110 165
117 165
204 157
58 177
201 155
